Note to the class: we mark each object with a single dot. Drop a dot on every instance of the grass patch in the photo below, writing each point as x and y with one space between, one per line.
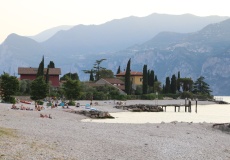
7 132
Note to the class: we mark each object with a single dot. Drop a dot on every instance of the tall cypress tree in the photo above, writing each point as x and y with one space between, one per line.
47 75
41 68
145 80
178 84
155 79
167 85
163 88
173 84
118 70
91 77
149 77
127 78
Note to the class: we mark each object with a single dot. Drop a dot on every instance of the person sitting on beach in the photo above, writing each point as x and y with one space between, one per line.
67 105
52 106
78 105
39 108
36 105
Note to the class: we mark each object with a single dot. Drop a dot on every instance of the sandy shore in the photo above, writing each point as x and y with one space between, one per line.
65 136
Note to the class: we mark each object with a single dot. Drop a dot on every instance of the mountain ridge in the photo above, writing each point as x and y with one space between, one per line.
167 52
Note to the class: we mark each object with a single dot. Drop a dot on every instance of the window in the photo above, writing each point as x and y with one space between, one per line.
141 79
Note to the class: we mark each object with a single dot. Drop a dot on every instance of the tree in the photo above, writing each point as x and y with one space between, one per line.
96 69
41 68
157 86
106 73
47 75
186 83
163 89
155 79
118 70
8 86
127 78
39 89
91 77
72 89
73 76
178 86
151 77
173 84
167 85
24 86
51 65
145 80
200 86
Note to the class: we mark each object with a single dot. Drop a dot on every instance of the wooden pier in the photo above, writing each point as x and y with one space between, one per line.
187 106
177 107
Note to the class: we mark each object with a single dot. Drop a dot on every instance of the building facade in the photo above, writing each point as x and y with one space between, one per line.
30 74
135 77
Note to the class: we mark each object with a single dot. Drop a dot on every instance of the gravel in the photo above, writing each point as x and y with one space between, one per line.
65 136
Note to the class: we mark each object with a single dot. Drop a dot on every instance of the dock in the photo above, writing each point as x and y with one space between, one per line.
177 107
187 106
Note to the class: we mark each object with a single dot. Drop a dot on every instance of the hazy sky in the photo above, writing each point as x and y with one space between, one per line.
30 17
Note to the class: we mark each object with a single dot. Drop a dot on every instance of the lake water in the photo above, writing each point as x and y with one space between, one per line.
212 113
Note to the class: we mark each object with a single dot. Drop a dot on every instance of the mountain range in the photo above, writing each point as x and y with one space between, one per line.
190 44
45 35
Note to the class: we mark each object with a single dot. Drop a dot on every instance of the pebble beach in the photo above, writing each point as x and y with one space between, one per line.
67 136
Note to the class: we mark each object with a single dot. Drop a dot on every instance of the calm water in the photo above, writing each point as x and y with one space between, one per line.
212 113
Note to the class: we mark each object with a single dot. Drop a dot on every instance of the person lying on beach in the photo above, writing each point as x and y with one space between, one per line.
14 107
28 109
45 116
22 107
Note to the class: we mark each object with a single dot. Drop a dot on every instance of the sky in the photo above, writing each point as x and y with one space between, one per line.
30 17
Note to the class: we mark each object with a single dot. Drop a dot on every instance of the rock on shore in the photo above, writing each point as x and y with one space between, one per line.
140 108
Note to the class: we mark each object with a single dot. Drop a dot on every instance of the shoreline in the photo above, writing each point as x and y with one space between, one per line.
65 136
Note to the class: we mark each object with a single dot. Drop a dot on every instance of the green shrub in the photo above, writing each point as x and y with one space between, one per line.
151 96
49 104
99 96
203 97
71 103
174 96
186 95
82 96
39 102
12 100
121 97
148 96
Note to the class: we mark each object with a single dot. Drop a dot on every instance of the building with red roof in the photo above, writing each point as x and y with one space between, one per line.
135 77
30 74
